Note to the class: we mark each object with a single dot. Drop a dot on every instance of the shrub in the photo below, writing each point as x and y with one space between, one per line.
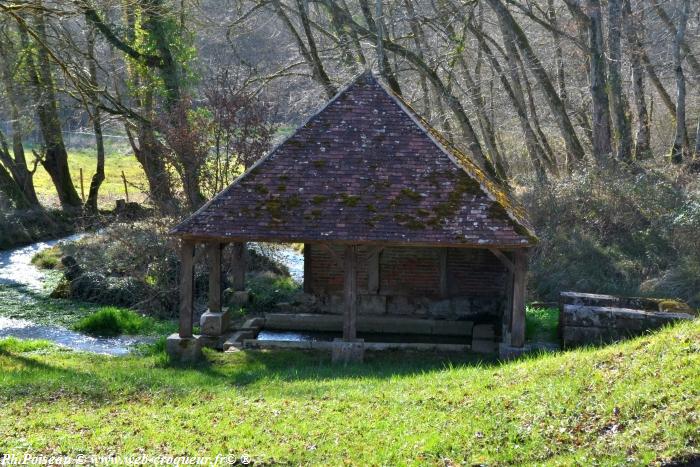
136 265
618 229
268 289
48 259
111 321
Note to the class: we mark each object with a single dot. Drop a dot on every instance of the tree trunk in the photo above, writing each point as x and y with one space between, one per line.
617 98
17 165
679 148
419 41
55 159
600 105
696 154
642 146
149 152
99 176
558 54
8 184
573 146
377 28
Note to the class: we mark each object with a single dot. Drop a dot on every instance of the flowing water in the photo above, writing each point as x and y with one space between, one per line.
17 270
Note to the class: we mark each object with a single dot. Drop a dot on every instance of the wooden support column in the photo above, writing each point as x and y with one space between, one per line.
307 267
214 254
518 314
373 270
350 312
186 287
444 284
239 266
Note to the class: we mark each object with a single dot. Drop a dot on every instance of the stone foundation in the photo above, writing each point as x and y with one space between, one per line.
183 349
594 319
348 351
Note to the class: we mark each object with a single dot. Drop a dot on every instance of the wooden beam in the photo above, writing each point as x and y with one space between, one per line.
518 317
338 260
504 259
307 268
186 288
444 284
214 254
350 289
373 277
349 241
239 266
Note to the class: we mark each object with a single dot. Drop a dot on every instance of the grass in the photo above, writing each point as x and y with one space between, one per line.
541 324
36 306
113 186
631 403
111 321
49 258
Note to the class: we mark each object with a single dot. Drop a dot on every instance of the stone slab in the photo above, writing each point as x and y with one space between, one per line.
214 324
183 349
367 323
484 332
348 351
484 346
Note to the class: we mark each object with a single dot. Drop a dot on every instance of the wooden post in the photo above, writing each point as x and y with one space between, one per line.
373 271
186 287
518 313
82 186
350 312
444 288
239 266
126 188
307 267
214 253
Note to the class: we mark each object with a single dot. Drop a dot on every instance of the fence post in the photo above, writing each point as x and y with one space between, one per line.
126 189
82 186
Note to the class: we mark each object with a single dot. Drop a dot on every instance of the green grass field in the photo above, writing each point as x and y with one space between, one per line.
112 188
633 403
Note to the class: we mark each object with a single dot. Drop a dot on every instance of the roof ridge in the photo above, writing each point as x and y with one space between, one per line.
274 149
494 190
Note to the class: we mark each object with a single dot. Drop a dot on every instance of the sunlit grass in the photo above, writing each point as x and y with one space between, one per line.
113 186
112 321
631 403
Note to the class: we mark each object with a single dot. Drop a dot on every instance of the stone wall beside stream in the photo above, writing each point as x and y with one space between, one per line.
590 319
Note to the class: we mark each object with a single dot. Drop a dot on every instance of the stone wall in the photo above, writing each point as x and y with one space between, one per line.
595 319
409 283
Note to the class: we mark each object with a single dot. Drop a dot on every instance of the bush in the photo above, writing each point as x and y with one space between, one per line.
136 265
268 289
48 259
626 230
27 226
110 322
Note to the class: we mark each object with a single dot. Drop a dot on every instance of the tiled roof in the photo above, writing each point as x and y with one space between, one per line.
365 168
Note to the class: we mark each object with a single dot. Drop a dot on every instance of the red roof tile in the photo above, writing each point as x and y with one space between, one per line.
366 168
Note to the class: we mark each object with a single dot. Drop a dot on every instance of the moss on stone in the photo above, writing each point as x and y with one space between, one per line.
319 199
410 194
349 200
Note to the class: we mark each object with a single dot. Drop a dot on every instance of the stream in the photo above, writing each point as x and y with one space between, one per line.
16 270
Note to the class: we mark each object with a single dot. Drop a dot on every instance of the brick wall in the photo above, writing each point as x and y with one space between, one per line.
411 276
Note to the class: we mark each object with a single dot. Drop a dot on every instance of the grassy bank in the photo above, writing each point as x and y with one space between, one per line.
634 402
